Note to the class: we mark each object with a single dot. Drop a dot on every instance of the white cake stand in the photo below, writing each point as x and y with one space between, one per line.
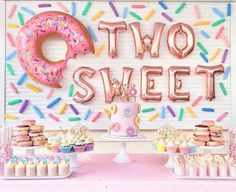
29 151
208 149
122 156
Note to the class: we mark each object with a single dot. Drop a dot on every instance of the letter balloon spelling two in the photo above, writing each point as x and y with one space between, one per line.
30 39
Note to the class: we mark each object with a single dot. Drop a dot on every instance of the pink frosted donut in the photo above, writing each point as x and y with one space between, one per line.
30 39
115 127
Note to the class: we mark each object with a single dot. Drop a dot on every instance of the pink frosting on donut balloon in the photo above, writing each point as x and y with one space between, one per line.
31 36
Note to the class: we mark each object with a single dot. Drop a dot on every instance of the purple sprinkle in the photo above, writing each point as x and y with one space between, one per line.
224 56
23 106
170 110
73 109
44 5
113 9
167 17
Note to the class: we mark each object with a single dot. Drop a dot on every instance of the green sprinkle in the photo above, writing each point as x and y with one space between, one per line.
133 14
223 89
146 110
71 90
181 113
180 8
20 19
15 101
74 119
218 22
10 69
202 48
86 9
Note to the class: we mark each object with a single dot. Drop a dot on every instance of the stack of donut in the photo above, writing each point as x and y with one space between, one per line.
208 134
28 134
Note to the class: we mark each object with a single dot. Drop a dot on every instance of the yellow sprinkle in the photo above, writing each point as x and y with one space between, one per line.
216 53
149 14
190 112
153 116
100 50
12 25
33 88
199 23
97 15
9 116
63 108
107 113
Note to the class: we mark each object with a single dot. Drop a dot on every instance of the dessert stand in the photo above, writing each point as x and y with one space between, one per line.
122 156
208 149
29 151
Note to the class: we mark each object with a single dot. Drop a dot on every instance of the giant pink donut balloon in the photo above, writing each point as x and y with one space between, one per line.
31 36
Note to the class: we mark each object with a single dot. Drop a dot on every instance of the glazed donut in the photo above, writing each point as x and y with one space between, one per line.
30 39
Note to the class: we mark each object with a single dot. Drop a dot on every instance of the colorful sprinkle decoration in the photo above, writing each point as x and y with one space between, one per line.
54 102
27 10
72 107
10 69
221 117
13 88
138 6
224 91
96 116
153 116
218 12
71 90
163 5
227 72
44 5
124 12
86 8
74 119
87 113
149 14
136 16
215 54
224 56
24 106
170 111
218 22
11 11
202 48
99 50
196 12
53 117
200 23
38 111
11 39
9 116
196 101
20 19
33 88
97 15
10 55
205 34
180 8
113 9
14 102
91 32
190 112
147 110
22 79
219 32
204 57
73 8
229 9
63 108
205 109
163 112
167 17
181 113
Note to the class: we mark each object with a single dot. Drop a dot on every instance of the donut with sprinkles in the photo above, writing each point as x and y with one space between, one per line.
32 35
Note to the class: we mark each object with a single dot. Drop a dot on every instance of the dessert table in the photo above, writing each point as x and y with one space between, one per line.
99 173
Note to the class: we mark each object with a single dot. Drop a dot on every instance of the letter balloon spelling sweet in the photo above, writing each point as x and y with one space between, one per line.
30 39
78 77
187 32
209 72
147 43
113 29
175 85
113 89
148 83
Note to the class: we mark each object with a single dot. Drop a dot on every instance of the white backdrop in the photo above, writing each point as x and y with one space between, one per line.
56 49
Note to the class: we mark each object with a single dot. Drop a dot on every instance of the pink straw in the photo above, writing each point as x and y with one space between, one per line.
196 101
53 117
96 116
219 32
220 118
11 39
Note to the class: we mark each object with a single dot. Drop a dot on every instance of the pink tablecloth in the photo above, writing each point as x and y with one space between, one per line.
100 174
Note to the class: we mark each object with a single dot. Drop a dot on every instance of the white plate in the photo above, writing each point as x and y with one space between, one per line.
37 177
27 148
118 138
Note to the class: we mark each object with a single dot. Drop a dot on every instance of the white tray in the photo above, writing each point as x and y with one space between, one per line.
37 177
120 139
186 177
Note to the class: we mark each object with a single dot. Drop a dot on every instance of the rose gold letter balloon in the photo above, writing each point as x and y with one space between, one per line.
174 84
147 83
113 29
147 43
209 72
78 77
111 91
180 29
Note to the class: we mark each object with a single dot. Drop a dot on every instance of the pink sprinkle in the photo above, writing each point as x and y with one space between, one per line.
167 17
96 116
196 12
219 32
62 7
11 40
49 94
138 6
11 11
13 88
225 40
53 117
221 117
196 101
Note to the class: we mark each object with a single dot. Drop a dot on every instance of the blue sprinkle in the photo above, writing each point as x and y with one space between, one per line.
54 102
86 116
29 11
22 79
73 8
218 12
162 5
227 72
228 9
163 112
91 32
38 111
208 109
124 13
11 55
205 34
204 57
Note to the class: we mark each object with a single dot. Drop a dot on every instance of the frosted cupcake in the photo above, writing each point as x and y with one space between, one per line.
53 168
30 169
20 169
79 146
65 146
64 167
171 147
9 169
55 145
161 146
42 168
184 147
89 144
